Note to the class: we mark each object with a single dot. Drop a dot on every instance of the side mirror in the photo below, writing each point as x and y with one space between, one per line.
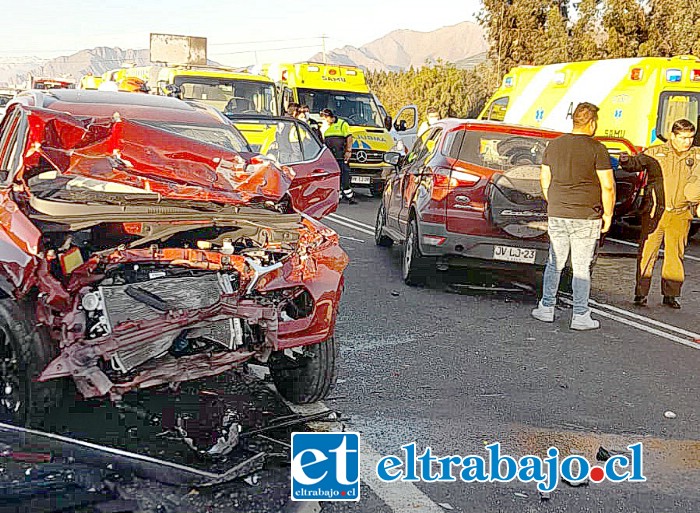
388 122
392 157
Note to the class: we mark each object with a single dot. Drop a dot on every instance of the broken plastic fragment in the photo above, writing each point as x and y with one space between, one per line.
670 415
446 505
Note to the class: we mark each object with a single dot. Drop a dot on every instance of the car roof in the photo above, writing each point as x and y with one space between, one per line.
497 126
136 106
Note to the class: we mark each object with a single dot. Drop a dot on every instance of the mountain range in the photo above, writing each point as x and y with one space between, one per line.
463 44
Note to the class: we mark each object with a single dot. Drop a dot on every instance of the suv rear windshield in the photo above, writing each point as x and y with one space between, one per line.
499 151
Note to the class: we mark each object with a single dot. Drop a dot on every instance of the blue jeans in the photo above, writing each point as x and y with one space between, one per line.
578 237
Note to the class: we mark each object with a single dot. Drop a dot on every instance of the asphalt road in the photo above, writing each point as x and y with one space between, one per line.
455 368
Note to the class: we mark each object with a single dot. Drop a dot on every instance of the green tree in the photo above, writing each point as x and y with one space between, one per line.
625 25
674 28
586 33
525 32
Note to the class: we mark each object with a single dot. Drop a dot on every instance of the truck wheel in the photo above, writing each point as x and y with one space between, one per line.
310 377
24 353
379 238
415 267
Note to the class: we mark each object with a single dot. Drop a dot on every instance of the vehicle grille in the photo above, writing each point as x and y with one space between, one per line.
360 156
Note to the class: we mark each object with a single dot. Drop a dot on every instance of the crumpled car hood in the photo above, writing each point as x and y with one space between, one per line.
160 161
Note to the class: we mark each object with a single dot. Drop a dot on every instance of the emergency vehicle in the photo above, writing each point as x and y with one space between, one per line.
639 98
226 89
90 81
344 90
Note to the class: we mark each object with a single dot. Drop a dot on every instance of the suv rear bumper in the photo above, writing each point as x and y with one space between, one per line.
459 249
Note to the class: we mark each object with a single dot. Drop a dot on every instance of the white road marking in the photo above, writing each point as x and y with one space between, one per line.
669 327
399 496
653 331
339 218
348 225
635 245
690 342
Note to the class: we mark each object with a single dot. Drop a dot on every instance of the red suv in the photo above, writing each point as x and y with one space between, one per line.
142 245
468 194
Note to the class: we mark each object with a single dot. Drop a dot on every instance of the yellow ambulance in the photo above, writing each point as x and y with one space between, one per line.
639 98
226 89
344 90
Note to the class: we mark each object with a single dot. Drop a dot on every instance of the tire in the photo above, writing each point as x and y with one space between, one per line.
414 266
24 354
311 377
379 238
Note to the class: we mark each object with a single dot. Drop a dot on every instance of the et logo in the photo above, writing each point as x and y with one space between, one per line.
325 466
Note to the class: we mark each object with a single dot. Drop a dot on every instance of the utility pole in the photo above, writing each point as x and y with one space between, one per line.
323 43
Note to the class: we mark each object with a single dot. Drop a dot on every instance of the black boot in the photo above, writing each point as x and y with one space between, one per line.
640 300
672 302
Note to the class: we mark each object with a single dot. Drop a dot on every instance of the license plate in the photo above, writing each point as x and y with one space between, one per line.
360 179
510 254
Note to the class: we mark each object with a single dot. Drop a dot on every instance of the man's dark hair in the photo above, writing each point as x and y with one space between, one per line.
585 112
682 125
327 113
303 106
292 109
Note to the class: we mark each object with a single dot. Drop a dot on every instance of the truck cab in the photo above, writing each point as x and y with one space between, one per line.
344 90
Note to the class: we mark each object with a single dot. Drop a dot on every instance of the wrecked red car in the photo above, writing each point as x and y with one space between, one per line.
139 247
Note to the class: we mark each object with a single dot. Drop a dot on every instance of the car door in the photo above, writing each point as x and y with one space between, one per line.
396 184
416 173
19 238
405 126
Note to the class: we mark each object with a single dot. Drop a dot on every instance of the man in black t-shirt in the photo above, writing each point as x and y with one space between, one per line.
579 186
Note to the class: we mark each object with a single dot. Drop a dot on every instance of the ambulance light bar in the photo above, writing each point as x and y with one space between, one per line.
673 75
636 74
312 68
508 82
695 75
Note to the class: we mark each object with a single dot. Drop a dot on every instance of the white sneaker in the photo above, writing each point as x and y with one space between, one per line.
543 313
584 322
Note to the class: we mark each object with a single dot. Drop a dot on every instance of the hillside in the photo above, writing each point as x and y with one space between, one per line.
463 44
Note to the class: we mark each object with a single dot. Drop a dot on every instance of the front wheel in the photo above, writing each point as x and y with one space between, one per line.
415 266
379 238
310 377
24 353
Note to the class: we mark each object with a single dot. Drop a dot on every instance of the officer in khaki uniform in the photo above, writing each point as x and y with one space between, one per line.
673 169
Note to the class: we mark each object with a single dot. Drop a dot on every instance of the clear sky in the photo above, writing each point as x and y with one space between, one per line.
238 31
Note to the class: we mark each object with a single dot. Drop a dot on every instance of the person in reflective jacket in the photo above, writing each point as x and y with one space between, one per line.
337 136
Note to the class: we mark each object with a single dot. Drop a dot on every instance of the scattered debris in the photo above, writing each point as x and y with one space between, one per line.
577 484
670 415
545 496
446 505
604 454
303 419
521 495
395 293
163 471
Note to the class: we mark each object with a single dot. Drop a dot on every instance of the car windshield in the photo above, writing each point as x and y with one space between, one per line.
230 95
500 151
221 135
358 109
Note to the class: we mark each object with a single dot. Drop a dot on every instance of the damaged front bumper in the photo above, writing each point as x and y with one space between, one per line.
137 318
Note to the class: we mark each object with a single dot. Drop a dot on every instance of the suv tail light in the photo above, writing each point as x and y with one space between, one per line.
446 179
